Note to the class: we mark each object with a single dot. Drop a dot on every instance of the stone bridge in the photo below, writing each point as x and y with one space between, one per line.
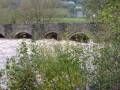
81 32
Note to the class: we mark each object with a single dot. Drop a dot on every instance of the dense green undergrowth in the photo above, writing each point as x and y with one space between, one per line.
64 67
59 68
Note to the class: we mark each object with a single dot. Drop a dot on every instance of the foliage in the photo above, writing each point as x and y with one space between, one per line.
108 66
106 9
30 11
107 70
40 10
59 68
21 74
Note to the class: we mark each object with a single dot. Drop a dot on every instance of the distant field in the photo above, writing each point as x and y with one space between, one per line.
71 20
59 20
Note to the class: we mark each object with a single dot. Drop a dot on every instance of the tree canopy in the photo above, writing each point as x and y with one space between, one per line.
27 11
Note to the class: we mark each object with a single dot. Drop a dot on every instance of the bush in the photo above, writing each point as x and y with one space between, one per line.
21 72
56 68
107 74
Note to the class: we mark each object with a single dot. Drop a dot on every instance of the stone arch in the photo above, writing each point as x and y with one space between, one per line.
23 35
51 35
2 31
79 37
2 36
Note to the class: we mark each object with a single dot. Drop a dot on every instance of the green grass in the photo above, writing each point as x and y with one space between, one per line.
71 20
54 20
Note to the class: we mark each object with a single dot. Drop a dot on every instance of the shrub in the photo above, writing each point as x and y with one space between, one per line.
56 68
107 76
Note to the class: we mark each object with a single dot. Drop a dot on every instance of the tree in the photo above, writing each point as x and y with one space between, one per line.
8 13
108 64
41 10
104 9
30 11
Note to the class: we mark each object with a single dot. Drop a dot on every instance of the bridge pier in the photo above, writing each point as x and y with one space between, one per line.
56 31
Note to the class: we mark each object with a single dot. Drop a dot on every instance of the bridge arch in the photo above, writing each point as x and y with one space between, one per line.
2 31
79 37
2 36
21 35
51 35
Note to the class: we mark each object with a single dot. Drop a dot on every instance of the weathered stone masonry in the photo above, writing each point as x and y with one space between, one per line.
57 31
